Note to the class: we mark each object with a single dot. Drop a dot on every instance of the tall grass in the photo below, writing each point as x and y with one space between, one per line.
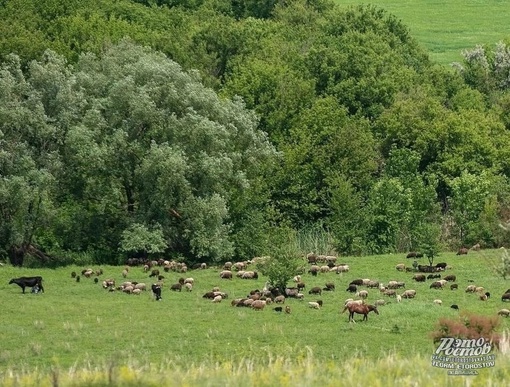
274 370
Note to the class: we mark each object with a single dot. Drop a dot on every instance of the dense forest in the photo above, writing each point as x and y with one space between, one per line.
210 130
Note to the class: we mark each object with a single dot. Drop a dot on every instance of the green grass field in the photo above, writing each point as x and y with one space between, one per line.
445 28
82 325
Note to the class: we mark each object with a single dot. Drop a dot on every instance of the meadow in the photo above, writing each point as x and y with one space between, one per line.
80 328
446 28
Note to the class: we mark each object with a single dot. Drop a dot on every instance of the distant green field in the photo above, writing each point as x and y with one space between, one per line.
447 27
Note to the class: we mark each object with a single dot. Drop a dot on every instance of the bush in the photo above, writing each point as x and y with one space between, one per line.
467 326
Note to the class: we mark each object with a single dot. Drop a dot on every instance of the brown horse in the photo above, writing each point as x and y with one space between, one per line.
363 309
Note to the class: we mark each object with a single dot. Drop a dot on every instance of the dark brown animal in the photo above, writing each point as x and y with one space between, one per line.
450 278
30 282
352 288
419 277
462 251
315 290
505 297
363 309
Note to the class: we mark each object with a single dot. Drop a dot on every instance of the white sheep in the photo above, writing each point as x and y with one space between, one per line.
141 286
297 278
399 298
314 305
217 299
189 281
188 286
363 294
438 302
504 312
379 302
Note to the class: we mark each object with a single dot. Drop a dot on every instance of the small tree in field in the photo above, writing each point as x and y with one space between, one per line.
284 262
429 243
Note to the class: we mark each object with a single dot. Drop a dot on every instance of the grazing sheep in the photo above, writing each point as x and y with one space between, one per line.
400 267
471 289
410 293
450 278
125 273
188 286
373 284
441 266
314 305
504 312
154 273
462 251
300 285
258 304
291 292
279 299
438 302
314 269
419 277
390 293
329 286
398 297
455 306
454 286
380 302
189 281
73 274
411 254
436 285
77 278
141 286
479 289
352 288
342 269
136 291
433 276
300 296
488 294
287 309
363 294
226 274
297 278
176 287
250 275
483 297
315 290
278 309
357 282
227 266
217 299
108 283
505 297
128 289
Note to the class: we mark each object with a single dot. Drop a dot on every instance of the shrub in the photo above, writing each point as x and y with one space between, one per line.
467 326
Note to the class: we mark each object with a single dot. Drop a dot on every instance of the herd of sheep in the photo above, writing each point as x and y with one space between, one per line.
258 299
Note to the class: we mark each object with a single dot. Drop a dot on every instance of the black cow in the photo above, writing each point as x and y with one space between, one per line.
30 282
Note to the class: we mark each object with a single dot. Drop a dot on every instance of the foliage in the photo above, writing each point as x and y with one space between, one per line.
467 326
137 238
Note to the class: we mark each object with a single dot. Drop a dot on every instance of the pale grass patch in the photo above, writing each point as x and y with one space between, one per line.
264 370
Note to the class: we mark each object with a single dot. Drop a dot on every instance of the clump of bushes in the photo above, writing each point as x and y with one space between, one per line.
468 326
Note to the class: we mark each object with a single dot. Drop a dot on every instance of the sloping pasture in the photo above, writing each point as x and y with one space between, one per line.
80 323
